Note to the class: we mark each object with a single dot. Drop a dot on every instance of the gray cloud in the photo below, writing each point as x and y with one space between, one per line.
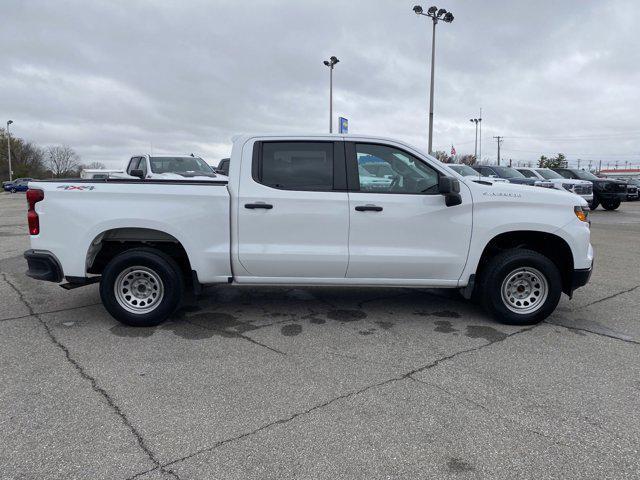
115 78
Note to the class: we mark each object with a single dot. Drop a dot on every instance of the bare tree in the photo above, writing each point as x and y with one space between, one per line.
94 166
62 160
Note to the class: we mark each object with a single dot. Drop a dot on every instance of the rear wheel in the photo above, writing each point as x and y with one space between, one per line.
520 287
141 287
593 204
610 204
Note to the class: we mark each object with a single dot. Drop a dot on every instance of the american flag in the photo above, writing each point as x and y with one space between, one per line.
453 150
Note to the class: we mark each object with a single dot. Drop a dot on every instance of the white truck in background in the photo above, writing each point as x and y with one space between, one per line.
168 167
297 210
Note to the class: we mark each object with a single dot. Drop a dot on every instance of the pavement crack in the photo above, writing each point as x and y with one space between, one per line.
92 381
438 361
50 311
608 297
601 334
238 335
284 420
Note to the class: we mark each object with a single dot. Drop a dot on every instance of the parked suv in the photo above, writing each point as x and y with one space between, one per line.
18 185
608 193
467 171
633 188
511 174
584 188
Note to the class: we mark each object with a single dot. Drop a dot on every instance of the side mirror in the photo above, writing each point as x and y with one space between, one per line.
450 188
137 173
447 185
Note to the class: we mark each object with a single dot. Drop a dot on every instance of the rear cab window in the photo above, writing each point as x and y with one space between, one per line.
300 165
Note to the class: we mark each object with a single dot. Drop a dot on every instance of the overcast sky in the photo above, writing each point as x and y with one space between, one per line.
116 78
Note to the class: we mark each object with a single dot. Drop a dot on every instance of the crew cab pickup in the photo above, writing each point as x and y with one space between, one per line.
300 210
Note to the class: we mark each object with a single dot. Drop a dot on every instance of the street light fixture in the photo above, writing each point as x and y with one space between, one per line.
476 121
9 149
331 63
435 15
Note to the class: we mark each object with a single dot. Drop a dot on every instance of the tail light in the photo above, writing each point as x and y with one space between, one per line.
33 197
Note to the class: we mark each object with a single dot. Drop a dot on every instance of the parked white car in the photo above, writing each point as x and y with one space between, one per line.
583 188
467 171
296 211
169 168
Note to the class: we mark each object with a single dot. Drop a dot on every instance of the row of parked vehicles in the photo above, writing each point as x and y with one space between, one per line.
596 191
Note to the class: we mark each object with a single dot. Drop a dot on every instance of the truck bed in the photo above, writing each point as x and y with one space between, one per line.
77 213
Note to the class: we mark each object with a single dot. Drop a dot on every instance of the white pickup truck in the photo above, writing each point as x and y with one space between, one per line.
300 210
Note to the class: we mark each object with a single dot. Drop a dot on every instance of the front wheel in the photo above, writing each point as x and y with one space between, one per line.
141 287
611 204
520 287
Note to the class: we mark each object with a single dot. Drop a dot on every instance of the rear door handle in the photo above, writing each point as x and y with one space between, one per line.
253 206
368 208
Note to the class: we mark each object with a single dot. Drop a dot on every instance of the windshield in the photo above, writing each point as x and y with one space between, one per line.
463 170
548 174
180 165
584 175
508 172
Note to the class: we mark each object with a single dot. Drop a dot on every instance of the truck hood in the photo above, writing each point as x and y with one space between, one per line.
506 192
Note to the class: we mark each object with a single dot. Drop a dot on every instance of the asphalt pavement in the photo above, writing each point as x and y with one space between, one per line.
321 383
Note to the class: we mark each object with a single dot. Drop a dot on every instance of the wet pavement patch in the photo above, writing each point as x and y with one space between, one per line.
444 326
439 314
291 330
457 465
488 333
368 331
384 325
346 315
221 322
132 332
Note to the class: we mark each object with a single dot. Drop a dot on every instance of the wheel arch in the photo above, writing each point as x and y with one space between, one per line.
548 244
107 244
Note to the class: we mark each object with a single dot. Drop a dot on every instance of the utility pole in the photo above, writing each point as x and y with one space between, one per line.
578 164
480 118
499 139
9 149
331 63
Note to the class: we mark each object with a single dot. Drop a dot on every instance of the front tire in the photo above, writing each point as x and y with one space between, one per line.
611 204
141 287
520 287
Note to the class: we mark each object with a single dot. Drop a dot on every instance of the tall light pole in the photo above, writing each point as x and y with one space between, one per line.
476 121
435 16
9 149
480 147
331 63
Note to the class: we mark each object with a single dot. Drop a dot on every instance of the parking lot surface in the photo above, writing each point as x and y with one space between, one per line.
323 383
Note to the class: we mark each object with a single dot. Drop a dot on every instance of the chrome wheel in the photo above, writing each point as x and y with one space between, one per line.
138 290
524 290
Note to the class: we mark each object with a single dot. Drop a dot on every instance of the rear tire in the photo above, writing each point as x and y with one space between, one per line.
611 204
141 287
593 204
520 287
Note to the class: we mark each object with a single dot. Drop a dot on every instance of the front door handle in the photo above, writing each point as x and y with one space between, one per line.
368 208
253 206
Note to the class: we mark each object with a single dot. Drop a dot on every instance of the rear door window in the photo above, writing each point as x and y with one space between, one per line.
297 165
